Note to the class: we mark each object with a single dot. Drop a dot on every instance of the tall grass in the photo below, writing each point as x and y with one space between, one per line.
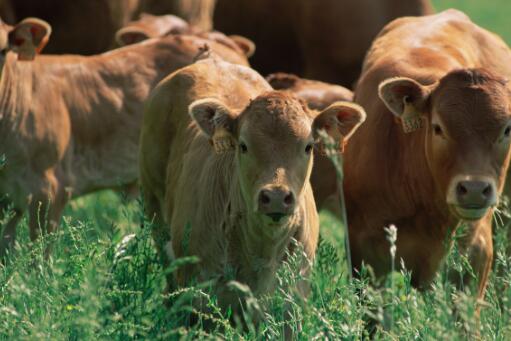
104 281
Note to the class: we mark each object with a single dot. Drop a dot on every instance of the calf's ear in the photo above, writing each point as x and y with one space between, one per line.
340 120
130 35
29 37
406 99
216 121
246 45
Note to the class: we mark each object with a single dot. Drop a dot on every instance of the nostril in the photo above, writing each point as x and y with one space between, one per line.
488 191
461 190
264 198
289 199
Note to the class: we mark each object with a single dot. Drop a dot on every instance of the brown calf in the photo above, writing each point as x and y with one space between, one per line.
70 125
226 161
435 149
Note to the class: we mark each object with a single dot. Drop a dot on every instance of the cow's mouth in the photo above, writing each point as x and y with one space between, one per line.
276 217
470 213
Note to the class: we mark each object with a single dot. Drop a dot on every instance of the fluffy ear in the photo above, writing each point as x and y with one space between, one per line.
339 120
246 45
29 37
130 35
216 121
405 98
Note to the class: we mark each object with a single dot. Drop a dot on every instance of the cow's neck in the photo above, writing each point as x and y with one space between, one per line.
413 177
15 82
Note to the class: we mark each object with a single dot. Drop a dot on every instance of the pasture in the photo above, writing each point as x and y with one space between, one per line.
104 280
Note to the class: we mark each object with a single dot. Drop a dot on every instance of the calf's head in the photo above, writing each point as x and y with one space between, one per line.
27 38
273 139
466 118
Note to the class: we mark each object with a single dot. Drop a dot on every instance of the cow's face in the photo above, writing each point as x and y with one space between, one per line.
26 39
467 121
273 139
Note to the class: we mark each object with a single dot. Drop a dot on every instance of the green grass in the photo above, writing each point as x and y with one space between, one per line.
104 282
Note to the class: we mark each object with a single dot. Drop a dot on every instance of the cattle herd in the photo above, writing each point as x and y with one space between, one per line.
227 160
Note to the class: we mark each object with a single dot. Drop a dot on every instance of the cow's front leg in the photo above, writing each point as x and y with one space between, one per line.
45 211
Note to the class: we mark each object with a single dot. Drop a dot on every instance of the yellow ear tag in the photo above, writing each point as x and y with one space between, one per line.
222 140
411 119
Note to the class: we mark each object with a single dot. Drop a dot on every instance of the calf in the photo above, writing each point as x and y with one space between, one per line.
444 162
225 162
69 125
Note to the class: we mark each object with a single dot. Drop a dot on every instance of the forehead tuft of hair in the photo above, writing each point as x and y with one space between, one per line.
472 78
278 103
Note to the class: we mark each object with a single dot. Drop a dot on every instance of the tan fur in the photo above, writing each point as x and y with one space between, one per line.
209 199
69 125
393 177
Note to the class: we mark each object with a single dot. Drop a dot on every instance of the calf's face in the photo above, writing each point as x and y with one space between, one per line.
273 139
467 118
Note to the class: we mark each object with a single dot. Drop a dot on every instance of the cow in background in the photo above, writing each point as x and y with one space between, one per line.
70 125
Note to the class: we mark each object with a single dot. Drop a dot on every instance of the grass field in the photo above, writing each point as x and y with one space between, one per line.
103 281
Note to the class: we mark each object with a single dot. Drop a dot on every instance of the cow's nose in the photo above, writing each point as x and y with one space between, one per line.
475 194
276 202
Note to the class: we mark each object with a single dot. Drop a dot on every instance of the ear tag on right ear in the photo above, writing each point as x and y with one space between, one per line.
411 119
222 140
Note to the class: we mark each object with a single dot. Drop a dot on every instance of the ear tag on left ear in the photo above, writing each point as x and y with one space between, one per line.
411 119
328 146
222 141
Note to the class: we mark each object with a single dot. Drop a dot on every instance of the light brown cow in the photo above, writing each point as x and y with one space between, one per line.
442 78
69 125
225 162
321 39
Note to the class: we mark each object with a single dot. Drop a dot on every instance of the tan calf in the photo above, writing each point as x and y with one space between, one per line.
69 125
226 161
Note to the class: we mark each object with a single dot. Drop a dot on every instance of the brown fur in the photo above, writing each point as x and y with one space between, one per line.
406 179
321 39
69 125
210 200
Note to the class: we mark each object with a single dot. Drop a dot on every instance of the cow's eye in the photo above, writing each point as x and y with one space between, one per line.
437 130
507 132
308 148
243 147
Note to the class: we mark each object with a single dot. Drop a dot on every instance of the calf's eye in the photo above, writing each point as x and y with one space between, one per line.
308 148
243 148
507 132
